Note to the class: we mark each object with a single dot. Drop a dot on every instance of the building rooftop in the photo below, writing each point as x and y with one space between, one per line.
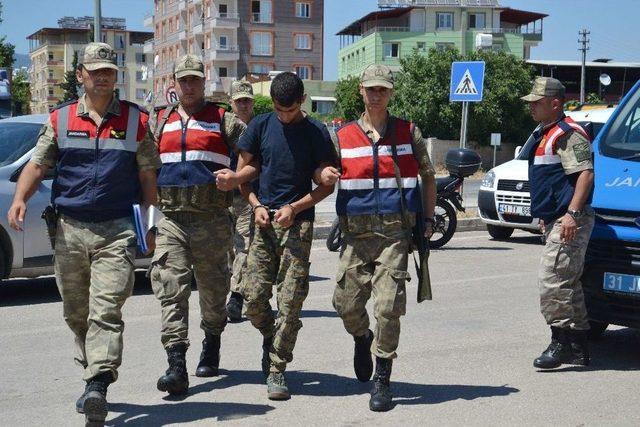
563 63
355 28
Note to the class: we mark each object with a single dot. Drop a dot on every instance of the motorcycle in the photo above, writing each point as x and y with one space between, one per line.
460 163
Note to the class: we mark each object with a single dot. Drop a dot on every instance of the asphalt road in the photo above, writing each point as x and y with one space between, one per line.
464 358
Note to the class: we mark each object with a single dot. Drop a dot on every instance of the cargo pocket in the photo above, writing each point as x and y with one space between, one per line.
392 297
154 273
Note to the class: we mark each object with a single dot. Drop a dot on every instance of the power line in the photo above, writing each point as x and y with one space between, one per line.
584 42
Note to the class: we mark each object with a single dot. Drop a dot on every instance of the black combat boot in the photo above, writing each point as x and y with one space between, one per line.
234 307
175 381
579 348
558 352
267 342
94 399
362 361
381 397
210 356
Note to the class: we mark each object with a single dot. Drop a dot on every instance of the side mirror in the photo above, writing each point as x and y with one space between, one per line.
517 151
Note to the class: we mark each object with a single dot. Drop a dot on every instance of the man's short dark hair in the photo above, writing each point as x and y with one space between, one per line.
287 89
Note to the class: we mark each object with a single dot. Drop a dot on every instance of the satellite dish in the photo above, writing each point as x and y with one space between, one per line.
605 79
156 60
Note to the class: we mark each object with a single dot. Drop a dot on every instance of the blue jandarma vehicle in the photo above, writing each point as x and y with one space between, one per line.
611 279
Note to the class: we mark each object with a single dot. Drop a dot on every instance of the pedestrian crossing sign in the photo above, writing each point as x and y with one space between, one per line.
467 81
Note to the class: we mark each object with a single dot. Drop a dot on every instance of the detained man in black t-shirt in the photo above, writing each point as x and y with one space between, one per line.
292 149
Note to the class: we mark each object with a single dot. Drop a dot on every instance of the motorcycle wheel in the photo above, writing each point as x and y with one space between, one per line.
446 223
334 239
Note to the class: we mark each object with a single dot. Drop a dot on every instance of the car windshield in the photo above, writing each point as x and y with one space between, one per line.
16 139
622 140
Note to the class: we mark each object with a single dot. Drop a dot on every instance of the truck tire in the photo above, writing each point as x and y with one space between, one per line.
499 233
597 329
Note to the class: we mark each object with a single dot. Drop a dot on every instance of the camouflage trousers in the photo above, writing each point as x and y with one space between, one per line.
281 256
242 231
93 264
561 296
378 265
188 246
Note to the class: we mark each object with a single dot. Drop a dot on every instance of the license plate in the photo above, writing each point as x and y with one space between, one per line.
514 209
621 283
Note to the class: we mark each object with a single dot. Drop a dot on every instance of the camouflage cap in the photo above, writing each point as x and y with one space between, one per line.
377 75
189 65
98 56
241 89
545 86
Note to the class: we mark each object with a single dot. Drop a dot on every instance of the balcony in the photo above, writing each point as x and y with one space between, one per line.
378 29
227 20
230 53
148 20
261 18
182 35
198 29
527 34
148 46
53 62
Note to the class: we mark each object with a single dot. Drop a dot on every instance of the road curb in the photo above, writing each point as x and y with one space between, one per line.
321 231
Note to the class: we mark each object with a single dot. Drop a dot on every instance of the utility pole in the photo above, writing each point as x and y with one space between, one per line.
97 18
584 48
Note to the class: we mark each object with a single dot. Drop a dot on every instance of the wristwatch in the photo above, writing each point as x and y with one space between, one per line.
575 214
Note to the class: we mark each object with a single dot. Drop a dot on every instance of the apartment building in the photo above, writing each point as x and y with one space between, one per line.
52 49
401 26
237 37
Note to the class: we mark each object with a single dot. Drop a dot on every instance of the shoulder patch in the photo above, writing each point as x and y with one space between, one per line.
582 151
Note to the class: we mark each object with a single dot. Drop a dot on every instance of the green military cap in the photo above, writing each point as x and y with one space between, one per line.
545 86
377 75
189 65
98 56
241 89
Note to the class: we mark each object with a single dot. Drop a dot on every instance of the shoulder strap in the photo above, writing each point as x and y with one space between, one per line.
163 120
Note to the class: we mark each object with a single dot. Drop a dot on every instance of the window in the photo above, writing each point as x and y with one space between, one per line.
104 37
140 94
50 91
50 74
261 44
444 20
261 68
391 50
322 107
422 46
141 58
120 59
303 10
303 41
50 56
139 76
445 46
222 43
120 41
223 11
261 11
476 20
303 71
120 80
223 72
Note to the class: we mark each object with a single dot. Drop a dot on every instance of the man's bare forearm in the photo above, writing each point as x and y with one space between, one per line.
30 177
313 198
429 194
148 183
584 184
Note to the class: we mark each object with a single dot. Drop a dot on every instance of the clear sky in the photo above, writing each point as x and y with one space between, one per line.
612 23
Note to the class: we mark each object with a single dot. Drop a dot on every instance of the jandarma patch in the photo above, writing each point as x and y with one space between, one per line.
118 134
77 134
582 152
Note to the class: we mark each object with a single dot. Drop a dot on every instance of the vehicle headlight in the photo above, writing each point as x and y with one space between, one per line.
489 179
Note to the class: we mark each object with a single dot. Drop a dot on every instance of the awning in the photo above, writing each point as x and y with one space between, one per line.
323 98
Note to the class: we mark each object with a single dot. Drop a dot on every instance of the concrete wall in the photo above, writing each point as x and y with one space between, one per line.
438 148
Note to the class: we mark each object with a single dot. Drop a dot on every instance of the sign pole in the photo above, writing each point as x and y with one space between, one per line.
495 148
464 124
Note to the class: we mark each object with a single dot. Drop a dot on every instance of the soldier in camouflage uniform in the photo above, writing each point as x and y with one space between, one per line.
377 240
242 105
561 176
95 243
291 148
195 139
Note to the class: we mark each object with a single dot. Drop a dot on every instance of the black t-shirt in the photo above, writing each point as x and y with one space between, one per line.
288 156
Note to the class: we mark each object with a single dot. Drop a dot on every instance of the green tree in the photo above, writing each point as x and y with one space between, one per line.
422 95
7 50
21 93
70 85
349 103
593 98
262 104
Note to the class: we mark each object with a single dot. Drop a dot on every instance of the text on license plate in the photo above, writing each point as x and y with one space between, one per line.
514 209
621 283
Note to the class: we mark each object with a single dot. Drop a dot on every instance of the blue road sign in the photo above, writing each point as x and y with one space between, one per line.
467 81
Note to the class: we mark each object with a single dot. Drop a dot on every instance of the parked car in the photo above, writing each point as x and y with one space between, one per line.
504 202
27 253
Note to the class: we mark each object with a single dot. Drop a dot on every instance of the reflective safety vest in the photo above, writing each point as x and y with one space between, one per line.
96 176
368 184
190 152
551 189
